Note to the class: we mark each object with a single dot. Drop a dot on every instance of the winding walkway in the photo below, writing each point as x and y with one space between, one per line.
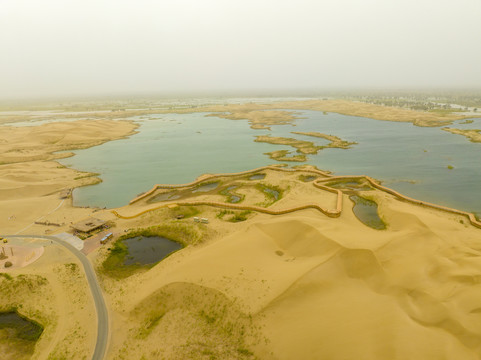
101 308
326 177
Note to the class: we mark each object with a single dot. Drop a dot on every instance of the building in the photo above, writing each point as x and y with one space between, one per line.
88 225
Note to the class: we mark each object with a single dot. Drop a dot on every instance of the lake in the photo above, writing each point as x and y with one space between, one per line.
176 148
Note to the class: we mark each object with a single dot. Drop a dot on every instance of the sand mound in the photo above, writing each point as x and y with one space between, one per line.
298 238
411 298
187 321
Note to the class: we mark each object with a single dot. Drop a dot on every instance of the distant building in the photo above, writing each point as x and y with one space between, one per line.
88 225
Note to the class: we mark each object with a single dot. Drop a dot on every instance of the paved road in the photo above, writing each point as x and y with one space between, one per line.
102 314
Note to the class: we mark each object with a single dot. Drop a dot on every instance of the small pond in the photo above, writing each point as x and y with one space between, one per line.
349 185
257 177
366 211
164 197
272 192
231 197
206 187
234 199
308 178
148 250
20 327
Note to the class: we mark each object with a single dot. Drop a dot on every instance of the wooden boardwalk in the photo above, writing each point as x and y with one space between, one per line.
318 183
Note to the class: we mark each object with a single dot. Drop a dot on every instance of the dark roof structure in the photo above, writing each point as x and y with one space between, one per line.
88 224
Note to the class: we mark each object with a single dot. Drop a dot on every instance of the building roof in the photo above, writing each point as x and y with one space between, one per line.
88 224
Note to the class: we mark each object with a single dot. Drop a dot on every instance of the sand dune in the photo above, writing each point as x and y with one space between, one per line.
322 288
30 187
294 286
18 144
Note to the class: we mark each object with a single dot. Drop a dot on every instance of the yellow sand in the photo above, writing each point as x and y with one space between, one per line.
295 286
30 187
304 286
30 143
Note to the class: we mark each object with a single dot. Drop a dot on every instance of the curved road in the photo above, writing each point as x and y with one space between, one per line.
102 314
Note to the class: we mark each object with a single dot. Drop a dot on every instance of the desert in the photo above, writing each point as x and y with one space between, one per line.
261 251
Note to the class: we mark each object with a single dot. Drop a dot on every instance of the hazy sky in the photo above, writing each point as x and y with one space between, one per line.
70 47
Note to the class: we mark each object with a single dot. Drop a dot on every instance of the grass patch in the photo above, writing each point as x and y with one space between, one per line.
151 322
222 213
186 211
6 276
240 216
235 216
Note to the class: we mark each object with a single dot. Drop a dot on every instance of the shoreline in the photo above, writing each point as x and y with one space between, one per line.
327 177
90 178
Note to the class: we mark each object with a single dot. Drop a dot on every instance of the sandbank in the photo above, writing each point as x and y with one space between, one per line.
474 135
302 146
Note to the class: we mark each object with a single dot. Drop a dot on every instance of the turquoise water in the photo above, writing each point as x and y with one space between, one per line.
395 153
176 148
171 149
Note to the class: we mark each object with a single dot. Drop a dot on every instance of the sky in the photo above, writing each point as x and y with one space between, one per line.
108 47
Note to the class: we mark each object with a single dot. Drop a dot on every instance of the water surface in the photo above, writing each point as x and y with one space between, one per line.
148 250
366 211
20 327
177 148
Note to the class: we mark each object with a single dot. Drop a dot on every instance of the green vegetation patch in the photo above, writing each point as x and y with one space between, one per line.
233 216
284 155
217 326
184 211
